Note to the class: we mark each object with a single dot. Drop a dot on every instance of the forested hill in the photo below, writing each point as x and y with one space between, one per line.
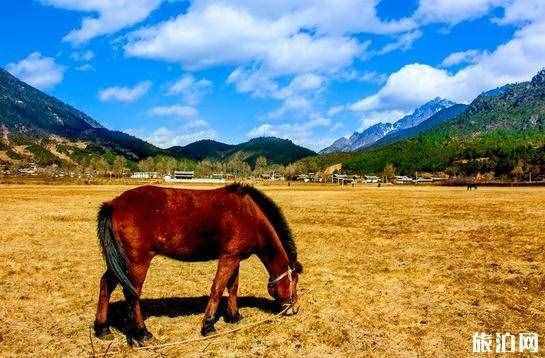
502 132
36 127
275 150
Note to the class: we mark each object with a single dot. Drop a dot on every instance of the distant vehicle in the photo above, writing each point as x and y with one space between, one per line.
371 179
403 179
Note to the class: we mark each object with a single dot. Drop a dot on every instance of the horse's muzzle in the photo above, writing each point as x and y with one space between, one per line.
290 309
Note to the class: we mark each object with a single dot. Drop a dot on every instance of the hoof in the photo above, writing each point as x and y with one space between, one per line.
102 331
207 328
139 337
233 318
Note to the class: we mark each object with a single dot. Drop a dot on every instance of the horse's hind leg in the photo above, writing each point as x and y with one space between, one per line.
233 315
137 333
107 285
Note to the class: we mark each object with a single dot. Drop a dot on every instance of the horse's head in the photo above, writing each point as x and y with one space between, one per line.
284 288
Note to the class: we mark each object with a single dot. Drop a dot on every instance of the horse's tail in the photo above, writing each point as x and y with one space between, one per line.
116 260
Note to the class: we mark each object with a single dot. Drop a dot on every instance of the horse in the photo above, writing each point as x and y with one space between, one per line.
227 224
471 186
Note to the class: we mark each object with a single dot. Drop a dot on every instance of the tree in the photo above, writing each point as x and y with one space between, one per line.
164 164
146 165
119 165
260 166
237 166
204 168
98 165
518 170
389 171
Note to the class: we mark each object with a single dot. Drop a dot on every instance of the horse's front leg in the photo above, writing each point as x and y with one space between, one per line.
226 266
233 315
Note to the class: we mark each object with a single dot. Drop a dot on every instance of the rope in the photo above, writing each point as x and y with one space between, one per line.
200 339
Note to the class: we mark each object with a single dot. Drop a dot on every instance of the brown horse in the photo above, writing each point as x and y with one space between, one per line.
229 224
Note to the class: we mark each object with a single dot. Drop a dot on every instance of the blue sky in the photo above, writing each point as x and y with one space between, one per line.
173 71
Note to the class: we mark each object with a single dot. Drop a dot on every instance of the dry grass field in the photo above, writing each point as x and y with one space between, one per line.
388 271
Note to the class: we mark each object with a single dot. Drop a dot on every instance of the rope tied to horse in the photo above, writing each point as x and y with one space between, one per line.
198 339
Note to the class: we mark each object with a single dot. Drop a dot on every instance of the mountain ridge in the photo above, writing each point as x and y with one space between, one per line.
37 126
501 132
374 133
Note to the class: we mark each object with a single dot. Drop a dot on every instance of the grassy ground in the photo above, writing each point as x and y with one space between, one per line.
387 270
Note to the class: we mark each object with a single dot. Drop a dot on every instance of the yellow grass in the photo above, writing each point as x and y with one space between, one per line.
388 270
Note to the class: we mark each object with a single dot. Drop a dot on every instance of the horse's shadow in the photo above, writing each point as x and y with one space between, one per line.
119 313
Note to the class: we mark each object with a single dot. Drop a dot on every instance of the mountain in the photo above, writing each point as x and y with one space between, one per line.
434 121
41 128
276 150
378 131
501 132
202 149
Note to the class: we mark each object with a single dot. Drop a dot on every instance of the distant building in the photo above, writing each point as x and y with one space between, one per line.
183 175
145 175
343 178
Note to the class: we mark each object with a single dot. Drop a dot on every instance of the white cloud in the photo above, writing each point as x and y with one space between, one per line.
301 133
167 137
295 104
83 56
404 42
366 76
256 83
334 110
212 34
124 94
85 67
296 97
37 70
515 61
174 111
453 12
463 57
192 90
112 15
374 117
325 16
304 83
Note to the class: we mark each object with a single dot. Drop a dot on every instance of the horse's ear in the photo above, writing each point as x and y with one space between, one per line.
297 267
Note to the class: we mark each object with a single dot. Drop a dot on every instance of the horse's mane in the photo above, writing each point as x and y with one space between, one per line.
275 216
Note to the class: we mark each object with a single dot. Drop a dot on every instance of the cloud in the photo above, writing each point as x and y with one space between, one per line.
463 57
124 94
174 111
83 56
454 12
212 34
295 104
404 42
334 110
296 97
112 16
256 83
366 76
165 137
374 117
192 90
514 61
37 70
301 133
85 67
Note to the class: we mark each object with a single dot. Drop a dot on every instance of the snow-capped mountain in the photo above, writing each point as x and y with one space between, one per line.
369 136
